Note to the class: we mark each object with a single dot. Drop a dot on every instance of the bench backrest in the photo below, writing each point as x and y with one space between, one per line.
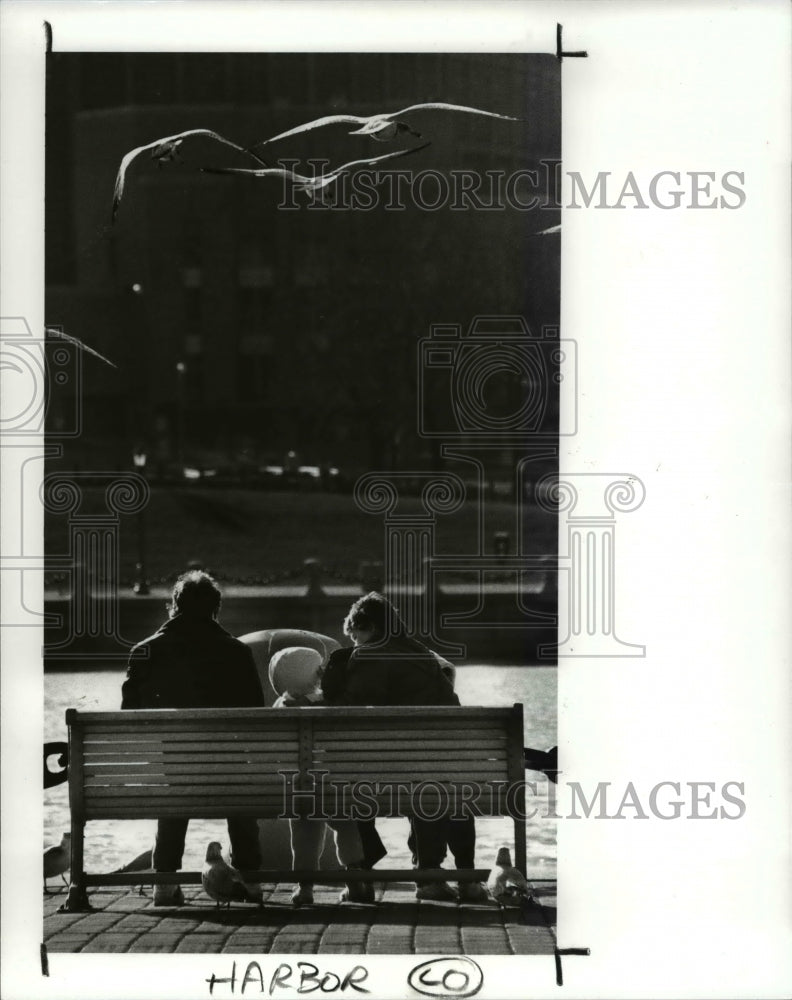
207 763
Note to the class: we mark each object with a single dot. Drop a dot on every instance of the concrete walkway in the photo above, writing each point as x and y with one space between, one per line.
124 921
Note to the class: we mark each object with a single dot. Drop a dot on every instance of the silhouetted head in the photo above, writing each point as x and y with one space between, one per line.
504 857
196 595
371 619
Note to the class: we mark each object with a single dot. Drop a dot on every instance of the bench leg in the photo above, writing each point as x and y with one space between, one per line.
77 900
520 846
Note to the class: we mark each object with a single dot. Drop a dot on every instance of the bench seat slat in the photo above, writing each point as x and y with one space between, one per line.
379 747
277 741
416 753
351 773
183 746
129 723
240 757
153 779
448 732
204 768
218 809
180 716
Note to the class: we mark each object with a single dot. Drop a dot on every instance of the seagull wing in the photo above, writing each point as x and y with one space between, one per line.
371 160
134 153
265 172
78 343
547 232
318 123
516 878
143 862
440 106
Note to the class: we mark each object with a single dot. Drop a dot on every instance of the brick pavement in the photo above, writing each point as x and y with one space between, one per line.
124 921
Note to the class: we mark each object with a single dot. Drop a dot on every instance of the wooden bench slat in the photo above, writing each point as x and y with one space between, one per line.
419 754
417 743
206 768
367 713
446 731
241 758
182 746
220 810
93 741
177 780
130 723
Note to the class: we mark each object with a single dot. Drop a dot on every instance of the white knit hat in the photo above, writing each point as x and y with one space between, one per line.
295 670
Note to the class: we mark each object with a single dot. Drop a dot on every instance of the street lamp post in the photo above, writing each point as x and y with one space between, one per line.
141 586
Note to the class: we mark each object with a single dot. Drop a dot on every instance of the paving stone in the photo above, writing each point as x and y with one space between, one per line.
132 902
294 945
68 942
230 948
200 944
93 923
156 942
60 921
530 940
176 925
110 943
134 927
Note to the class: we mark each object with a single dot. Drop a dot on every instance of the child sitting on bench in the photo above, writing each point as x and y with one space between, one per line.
295 674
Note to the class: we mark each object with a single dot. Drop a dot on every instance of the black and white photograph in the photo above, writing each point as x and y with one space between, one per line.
316 322
395 419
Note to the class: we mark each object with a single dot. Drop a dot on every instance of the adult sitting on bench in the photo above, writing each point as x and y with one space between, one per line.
388 667
192 662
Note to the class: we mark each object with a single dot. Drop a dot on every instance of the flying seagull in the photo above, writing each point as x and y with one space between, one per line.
383 128
55 332
223 883
163 151
303 181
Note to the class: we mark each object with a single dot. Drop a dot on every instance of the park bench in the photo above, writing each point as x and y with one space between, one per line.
263 762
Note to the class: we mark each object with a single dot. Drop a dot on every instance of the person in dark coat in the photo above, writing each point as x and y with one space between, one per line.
386 666
192 662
